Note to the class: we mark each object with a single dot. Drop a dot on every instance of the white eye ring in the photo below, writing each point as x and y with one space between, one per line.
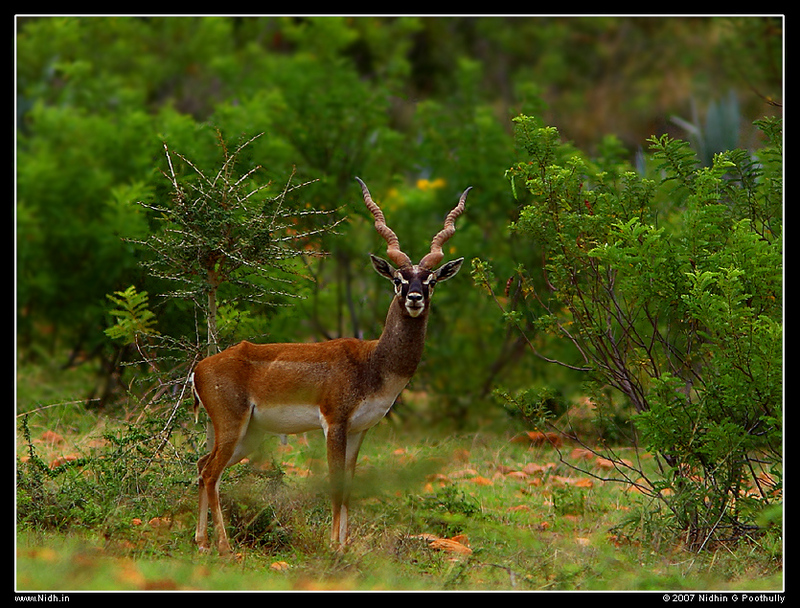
399 281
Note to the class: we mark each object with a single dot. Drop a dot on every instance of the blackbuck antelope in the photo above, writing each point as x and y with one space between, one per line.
343 386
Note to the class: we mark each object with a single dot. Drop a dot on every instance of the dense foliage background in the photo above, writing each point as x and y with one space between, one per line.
420 108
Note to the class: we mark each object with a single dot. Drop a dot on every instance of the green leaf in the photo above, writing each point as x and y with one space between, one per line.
133 316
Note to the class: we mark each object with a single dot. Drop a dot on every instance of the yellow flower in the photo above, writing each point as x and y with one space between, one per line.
426 184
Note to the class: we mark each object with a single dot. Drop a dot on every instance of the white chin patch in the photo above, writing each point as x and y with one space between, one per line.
415 312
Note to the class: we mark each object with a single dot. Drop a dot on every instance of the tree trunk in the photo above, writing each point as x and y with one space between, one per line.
213 284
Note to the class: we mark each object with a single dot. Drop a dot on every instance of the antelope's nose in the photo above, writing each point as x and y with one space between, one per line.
415 297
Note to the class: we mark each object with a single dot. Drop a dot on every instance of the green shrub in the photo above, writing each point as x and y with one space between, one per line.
669 291
136 474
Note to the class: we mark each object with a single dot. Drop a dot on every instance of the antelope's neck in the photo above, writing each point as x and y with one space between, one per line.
399 349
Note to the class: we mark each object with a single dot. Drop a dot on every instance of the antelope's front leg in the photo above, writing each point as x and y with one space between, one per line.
353 446
342 455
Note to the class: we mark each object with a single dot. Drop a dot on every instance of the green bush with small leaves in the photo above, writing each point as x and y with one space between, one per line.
667 287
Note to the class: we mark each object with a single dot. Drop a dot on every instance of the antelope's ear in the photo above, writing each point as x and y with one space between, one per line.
449 270
382 267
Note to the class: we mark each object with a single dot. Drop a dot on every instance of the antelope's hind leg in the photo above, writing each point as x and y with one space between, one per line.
213 465
230 446
201 532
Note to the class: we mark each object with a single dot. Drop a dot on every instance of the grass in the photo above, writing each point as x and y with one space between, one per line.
121 516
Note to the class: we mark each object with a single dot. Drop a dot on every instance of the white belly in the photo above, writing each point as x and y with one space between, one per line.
287 419
299 418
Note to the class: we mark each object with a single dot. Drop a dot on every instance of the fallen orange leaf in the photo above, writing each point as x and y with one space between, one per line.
538 438
51 437
581 454
580 482
604 463
457 544
517 475
57 462
534 469
159 522
450 546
